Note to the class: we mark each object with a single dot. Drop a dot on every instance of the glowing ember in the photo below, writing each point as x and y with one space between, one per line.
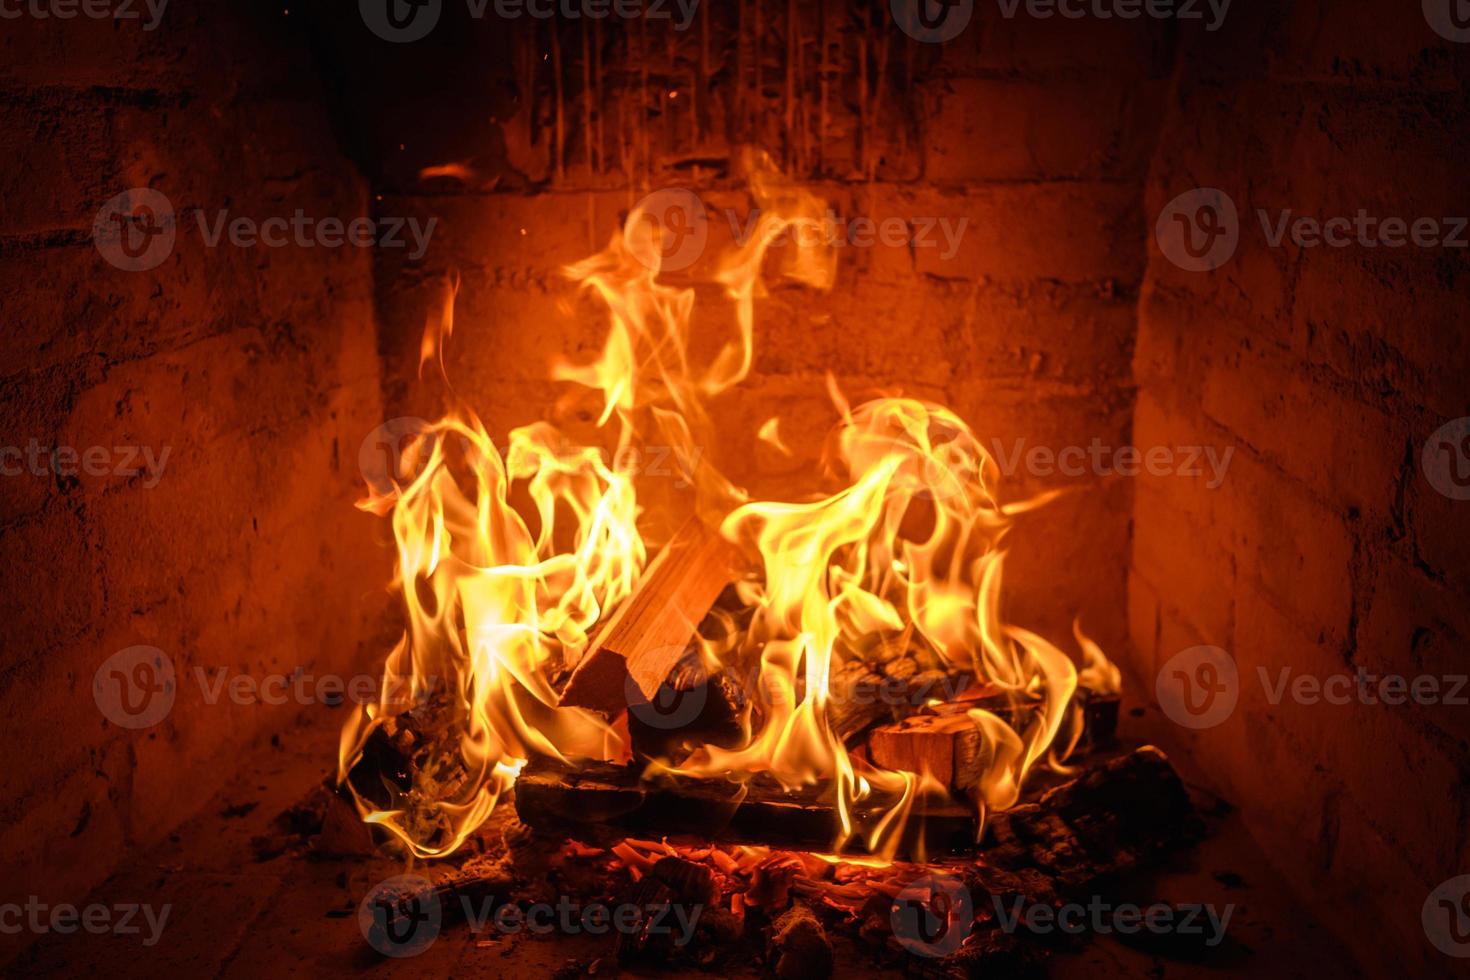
508 563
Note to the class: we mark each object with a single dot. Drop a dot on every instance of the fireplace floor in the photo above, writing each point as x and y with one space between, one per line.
234 915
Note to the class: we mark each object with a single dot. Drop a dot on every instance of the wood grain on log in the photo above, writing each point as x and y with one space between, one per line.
646 637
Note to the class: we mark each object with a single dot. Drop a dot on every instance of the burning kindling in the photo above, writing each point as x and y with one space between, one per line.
581 627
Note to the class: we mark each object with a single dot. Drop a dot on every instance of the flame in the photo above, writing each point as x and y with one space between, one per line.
508 562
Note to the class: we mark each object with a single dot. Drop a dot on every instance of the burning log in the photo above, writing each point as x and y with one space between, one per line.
1126 813
613 801
946 747
947 744
1130 812
635 651
799 948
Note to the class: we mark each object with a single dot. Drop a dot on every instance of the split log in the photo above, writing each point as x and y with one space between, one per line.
647 636
607 802
947 745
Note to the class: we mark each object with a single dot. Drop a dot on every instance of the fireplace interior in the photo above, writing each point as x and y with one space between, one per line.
464 462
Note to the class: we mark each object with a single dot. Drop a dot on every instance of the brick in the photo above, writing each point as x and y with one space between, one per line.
1046 331
1072 232
1304 424
1361 44
1169 549
984 129
1057 46
1297 550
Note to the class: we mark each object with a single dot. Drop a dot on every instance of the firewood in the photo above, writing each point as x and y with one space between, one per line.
1130 812
693 707
467 890
603 801
946 747
647 636
946 744
799 948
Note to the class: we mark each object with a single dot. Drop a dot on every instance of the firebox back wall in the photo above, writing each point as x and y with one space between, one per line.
1035 136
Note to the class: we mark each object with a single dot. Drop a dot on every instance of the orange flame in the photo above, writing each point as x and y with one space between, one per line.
507 564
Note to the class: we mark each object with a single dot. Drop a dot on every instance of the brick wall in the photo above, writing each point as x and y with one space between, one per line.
1325 549
1036 138
254 368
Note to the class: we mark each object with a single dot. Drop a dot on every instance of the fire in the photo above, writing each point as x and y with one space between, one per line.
508 561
